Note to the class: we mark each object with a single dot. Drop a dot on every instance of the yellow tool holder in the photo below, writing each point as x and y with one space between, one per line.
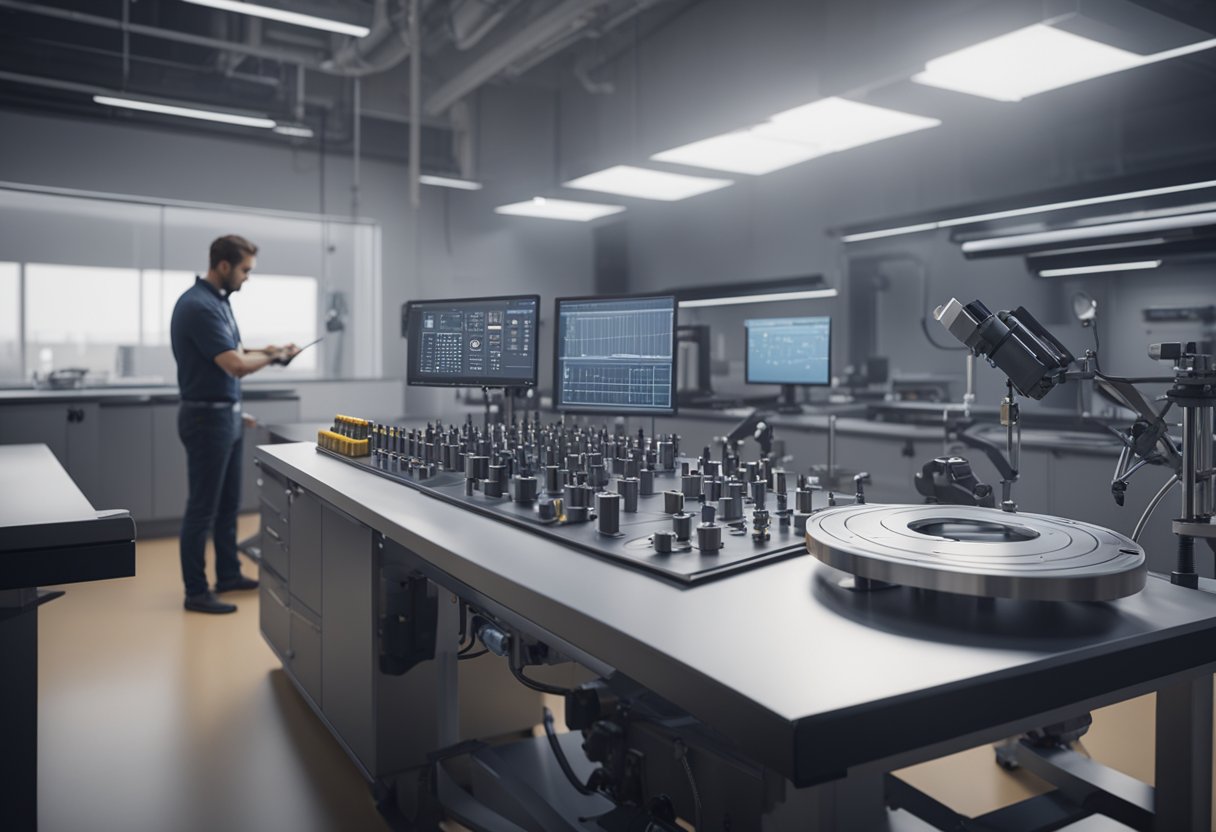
345 445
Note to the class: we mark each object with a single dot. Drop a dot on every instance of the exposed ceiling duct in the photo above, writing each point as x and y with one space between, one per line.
385 47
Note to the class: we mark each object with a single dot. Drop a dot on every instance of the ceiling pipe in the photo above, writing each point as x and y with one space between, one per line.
468 29
555 23
387 45
312 61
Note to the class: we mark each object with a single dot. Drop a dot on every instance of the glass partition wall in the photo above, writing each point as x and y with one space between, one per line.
89 281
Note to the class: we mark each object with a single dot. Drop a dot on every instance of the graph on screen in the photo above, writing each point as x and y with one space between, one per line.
616 355
789 350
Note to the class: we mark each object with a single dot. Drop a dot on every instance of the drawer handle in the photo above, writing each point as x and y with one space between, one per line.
270 531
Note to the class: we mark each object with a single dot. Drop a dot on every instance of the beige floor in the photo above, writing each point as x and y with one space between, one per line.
155 719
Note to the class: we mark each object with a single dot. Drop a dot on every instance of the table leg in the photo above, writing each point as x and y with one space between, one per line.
19 711
1184 756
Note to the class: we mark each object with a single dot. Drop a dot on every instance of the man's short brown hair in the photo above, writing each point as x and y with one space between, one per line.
231 249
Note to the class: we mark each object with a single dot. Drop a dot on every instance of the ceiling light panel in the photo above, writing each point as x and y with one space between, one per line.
559 209
285 16
743 151
449 182
770 297
1101 268
627 180
184 112
1026 62
836 124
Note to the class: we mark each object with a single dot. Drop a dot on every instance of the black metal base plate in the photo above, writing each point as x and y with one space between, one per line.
631 548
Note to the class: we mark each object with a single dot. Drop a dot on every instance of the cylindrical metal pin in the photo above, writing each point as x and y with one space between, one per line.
709 537
663 542
681 524
646 480
673 502
608 512
627 487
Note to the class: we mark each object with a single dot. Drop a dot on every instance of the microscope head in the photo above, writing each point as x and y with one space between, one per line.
1013 342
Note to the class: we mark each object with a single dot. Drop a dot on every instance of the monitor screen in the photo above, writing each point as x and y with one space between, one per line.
473 342
615 355
789 350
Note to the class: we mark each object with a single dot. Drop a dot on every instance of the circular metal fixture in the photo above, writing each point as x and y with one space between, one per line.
978 551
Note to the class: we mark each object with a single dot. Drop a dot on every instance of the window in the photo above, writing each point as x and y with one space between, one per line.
279 309
160 291
10 320
77 316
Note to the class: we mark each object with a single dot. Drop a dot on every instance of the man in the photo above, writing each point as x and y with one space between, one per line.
210 363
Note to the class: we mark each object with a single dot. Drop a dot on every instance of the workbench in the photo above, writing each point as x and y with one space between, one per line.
827 688
49 534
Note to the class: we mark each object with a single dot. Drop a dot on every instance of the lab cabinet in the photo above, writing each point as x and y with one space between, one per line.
305 543
126 458
348 624
169 484
71 430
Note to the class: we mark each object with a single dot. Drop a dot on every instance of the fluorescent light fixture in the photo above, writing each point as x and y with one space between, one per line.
839 124
298 131
743 151
185 112
626 180
1099 269
284 16
809 294
1031 209
1087 233
1025 62
449 182
559 209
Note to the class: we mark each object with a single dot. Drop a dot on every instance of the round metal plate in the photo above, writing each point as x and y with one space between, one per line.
978 551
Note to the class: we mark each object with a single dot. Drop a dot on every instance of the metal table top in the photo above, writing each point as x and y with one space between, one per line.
802 675
49 532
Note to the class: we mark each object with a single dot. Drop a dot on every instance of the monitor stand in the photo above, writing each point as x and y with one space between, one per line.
788 403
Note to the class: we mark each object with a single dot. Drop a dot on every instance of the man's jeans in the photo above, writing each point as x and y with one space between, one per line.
213 439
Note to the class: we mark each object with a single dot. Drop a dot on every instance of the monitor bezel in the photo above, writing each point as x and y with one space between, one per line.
412 377
747 355
614 411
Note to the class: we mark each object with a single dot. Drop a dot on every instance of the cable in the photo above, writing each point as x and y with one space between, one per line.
535 685
1151 507
1136 380
1097 349
562 762
462 656
682 754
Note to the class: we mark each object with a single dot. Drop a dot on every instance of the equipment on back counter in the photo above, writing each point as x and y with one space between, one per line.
791 352
1035 363
694 379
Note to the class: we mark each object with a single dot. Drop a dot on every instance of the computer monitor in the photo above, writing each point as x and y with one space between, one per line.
473 342
791 352
615 355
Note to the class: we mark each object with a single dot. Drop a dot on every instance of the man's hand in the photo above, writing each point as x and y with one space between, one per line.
283 355
249 419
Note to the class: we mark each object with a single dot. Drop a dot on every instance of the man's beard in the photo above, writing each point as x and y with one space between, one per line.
229 288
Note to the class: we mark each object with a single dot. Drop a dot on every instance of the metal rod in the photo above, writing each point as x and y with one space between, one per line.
1190 448
831 447
126 42
415 26
1152 506
358 136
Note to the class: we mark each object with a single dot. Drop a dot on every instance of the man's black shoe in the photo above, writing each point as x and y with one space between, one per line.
234 586
207 602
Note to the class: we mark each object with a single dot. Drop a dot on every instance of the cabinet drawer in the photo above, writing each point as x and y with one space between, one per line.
306 651
275 551
274 491
274 614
